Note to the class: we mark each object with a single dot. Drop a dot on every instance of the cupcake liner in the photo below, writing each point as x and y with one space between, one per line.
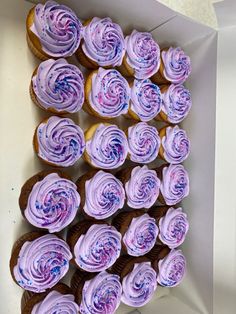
122 221
156 254
125 68
77 283
34 50
124 174
84 60
158 212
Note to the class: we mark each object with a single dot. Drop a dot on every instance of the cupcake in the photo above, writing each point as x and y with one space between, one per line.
49 200
106 146
57 87
173 225
102 194
142 57
175 145
139 231
95 245
141 186
176 103
102 45
145 103
107 94
96 293
174 184
138 278
38 261
175 67
144 143
53 30
59 299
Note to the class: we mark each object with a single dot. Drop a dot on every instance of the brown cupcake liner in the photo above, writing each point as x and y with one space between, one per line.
77 283
122 221
157 253
158 212
124 174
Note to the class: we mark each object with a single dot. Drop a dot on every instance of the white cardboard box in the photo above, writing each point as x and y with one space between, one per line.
210 245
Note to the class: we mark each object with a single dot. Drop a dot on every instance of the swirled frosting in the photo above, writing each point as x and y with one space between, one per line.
141 235
142 189
101 295
173 227
104 195
176 103
60 141
171 269
144 143
177 65
142 54
59 85
52 203
104 42
139 285
176 145
57 28
98 249
145 99
175 184
110 93
42 263
55 303
108 148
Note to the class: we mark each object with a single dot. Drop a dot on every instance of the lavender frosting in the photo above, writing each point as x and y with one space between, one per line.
42 263
141 235
108 148
142 189
104 195
176 103
101 295
144 143
176 145
60 141
104 42
142 54
175 184
98 249
57 28
59 85
173 227
55 303
110 93
177 66
139 285
52 203
171 269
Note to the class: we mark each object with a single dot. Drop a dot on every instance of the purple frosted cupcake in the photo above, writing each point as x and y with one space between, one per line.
144 143
59 141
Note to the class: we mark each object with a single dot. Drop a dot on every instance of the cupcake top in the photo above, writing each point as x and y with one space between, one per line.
57 28
173 227
176 145
177 66
144 143
176 103
142 189
59 86
52 203
142 54
172 269
55 302
98 249
110 93
104 195
101 294
141 235
42 263
104 42
108 148
145 99
175 184
139 285
60 141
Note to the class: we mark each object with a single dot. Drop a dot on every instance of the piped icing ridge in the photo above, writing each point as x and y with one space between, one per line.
52 203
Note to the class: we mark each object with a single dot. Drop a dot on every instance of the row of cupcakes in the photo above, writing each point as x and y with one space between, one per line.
60 142
54 30
59 87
